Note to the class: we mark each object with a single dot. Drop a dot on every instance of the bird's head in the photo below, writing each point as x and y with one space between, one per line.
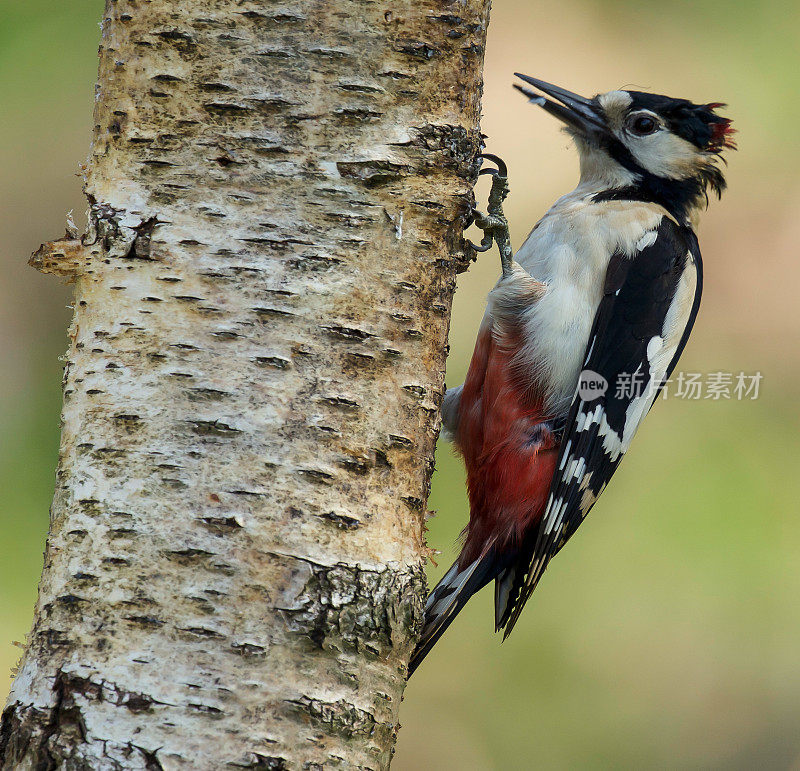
667 150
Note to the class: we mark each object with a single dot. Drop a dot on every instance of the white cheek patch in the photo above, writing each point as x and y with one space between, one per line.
664 154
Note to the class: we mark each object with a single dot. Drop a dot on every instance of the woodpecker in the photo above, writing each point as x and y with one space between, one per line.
603 293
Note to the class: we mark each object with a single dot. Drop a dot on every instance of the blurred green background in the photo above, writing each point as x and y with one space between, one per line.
668 634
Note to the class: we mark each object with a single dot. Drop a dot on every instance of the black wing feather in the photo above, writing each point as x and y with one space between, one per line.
638 293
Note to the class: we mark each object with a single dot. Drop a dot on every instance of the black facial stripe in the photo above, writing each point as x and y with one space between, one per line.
677 196
693 122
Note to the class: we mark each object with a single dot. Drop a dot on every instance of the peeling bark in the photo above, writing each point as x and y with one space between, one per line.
234 572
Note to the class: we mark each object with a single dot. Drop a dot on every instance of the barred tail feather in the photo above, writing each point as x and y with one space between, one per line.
447 599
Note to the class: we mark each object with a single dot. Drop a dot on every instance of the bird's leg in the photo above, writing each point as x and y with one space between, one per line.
494 224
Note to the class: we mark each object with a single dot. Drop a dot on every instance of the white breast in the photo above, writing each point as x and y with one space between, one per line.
569 251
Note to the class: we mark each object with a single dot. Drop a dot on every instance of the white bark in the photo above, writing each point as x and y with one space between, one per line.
233 576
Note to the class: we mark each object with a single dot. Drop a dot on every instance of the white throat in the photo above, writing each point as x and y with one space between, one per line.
599 170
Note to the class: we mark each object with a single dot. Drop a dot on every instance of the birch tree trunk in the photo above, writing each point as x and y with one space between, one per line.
234 572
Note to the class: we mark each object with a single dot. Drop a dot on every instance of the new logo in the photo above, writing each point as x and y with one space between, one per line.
591 385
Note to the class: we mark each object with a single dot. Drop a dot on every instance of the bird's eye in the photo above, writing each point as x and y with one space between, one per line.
642 125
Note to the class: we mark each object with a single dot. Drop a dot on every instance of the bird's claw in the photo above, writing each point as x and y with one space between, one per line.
500 171
494 223
484 245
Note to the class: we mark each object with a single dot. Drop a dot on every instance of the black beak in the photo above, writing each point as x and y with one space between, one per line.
576 111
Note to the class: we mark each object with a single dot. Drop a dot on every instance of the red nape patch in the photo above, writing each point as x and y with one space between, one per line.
721 129
510 457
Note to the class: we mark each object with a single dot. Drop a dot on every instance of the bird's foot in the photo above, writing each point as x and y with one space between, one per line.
494 224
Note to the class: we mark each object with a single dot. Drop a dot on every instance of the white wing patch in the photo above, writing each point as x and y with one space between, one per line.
648 239
654 346
613 443
661 350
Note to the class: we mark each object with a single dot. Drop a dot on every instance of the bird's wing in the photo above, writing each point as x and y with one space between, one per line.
650 300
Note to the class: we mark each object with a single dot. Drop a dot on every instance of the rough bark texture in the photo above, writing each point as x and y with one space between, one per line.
233 576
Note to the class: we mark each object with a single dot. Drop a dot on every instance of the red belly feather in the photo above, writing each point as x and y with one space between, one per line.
510 464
